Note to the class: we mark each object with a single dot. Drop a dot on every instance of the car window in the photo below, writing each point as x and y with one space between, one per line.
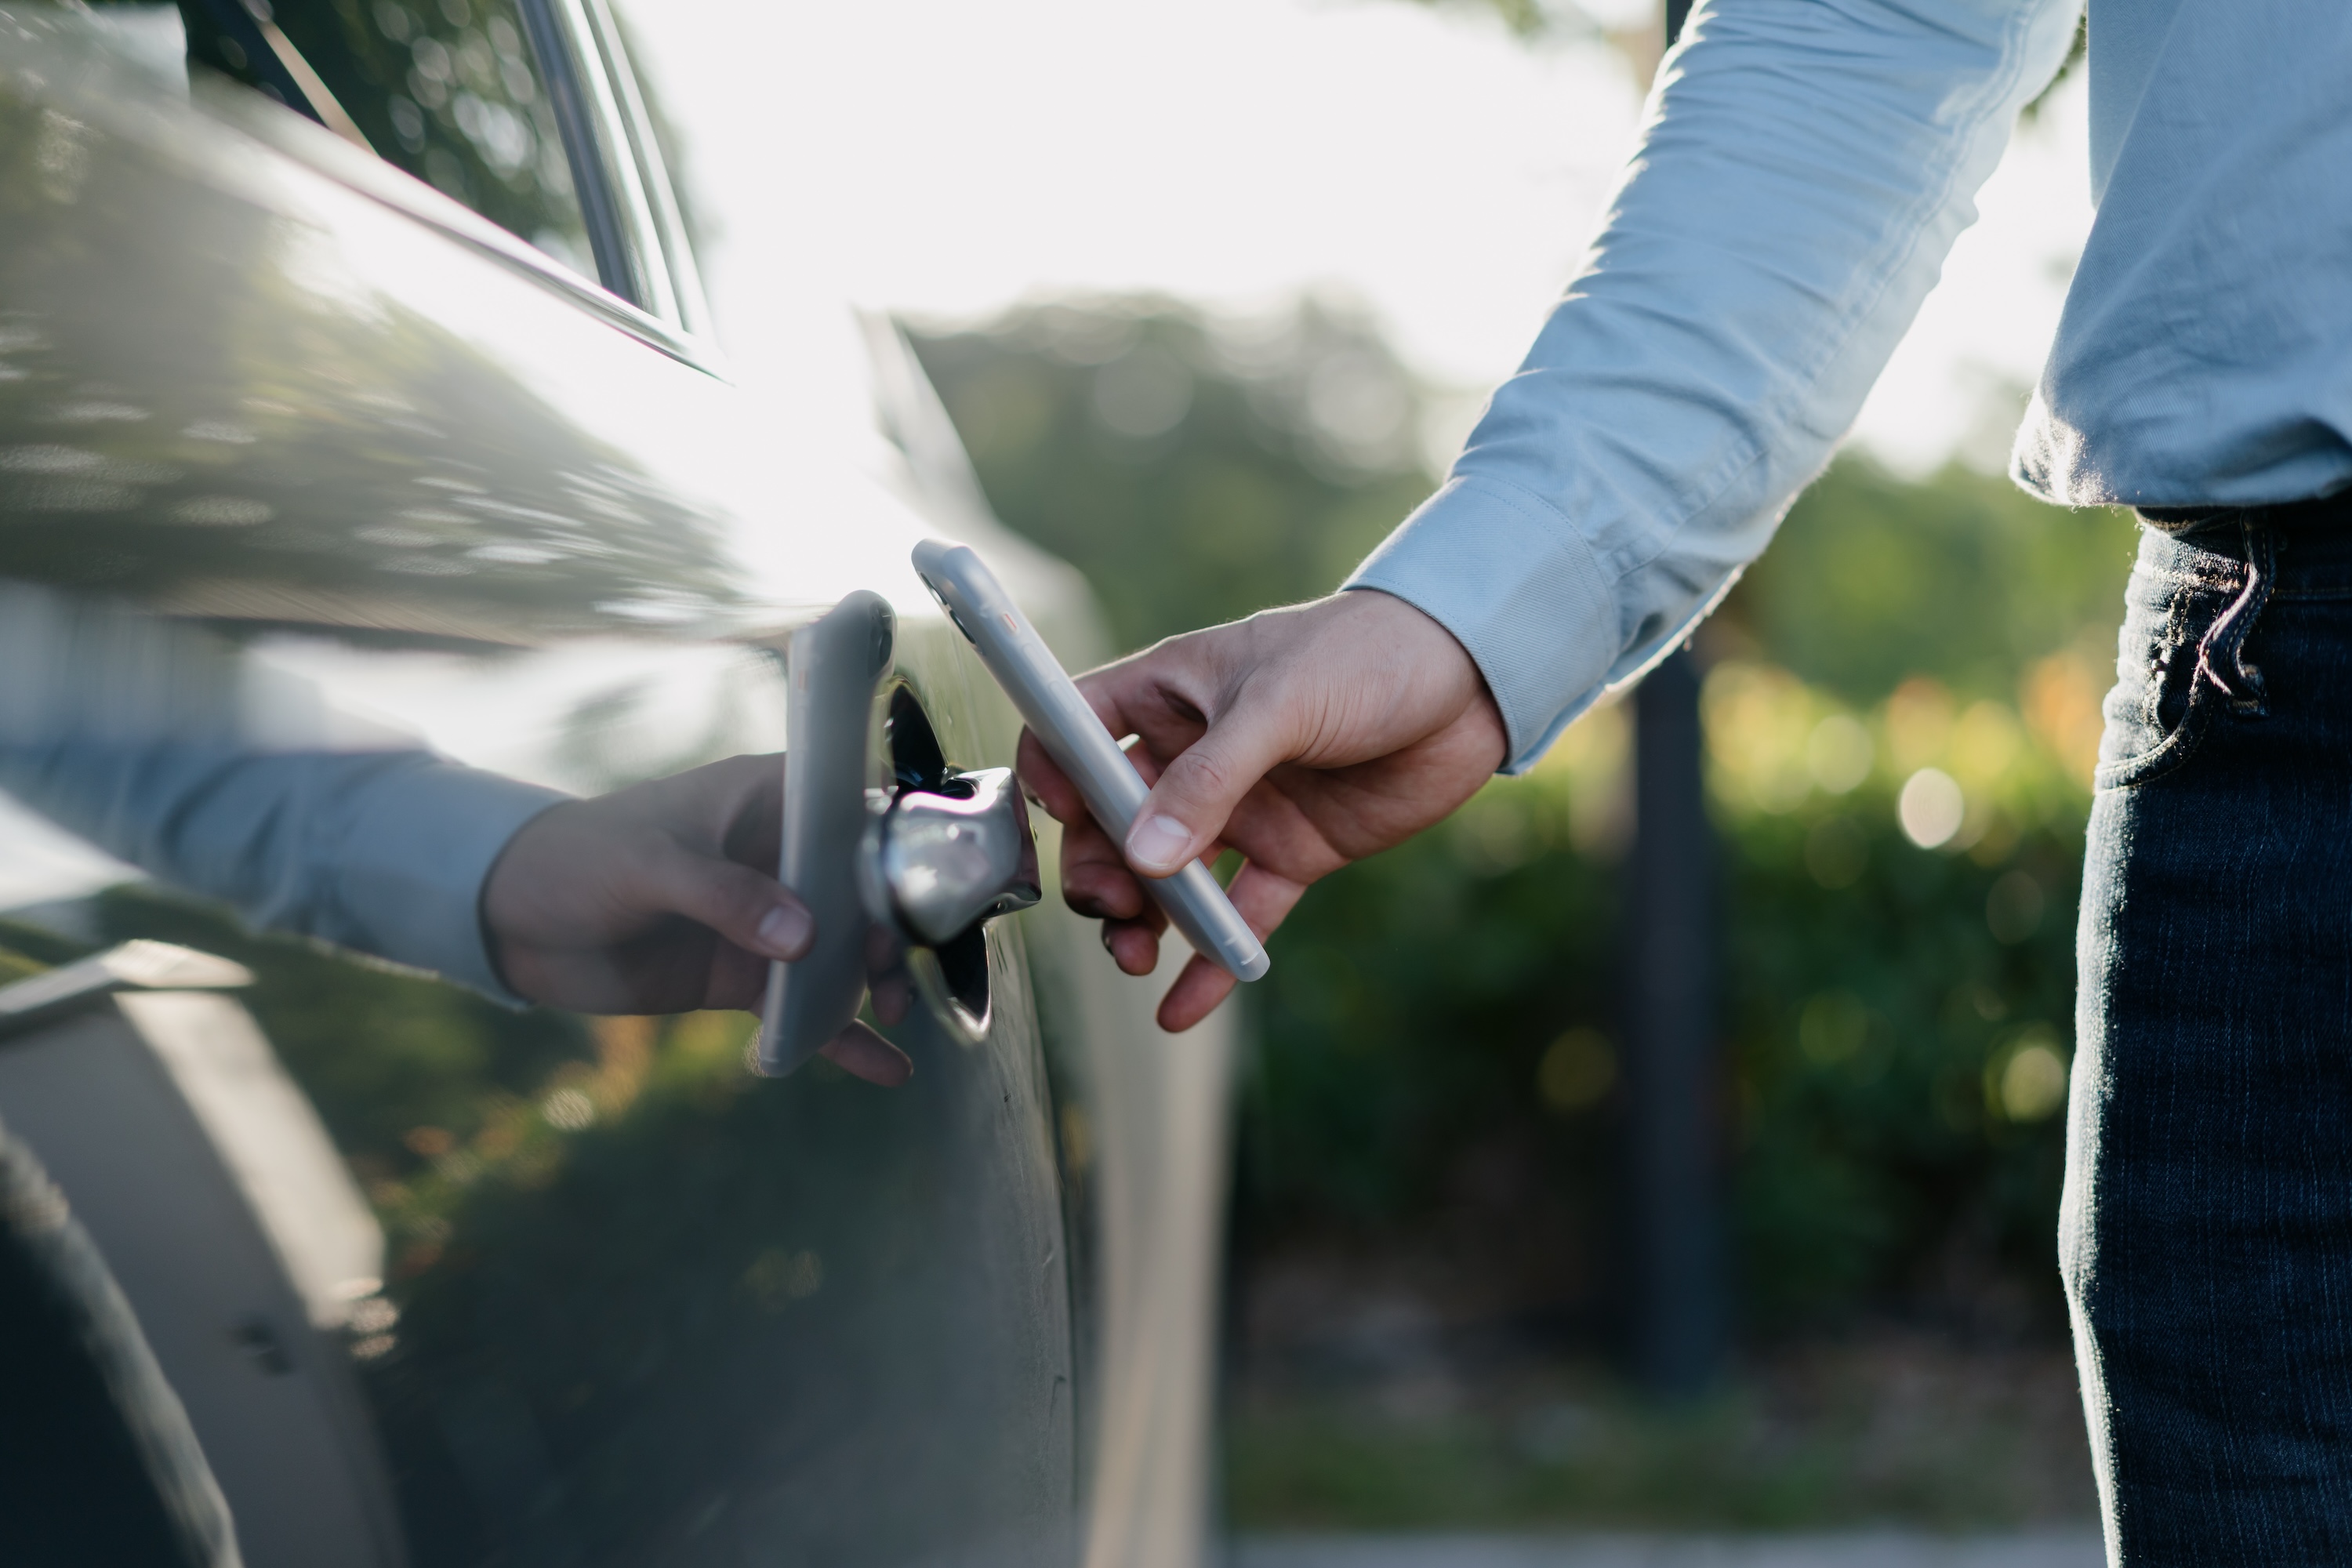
454 91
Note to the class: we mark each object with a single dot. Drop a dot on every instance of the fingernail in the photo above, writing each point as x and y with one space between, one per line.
1158 844
785 931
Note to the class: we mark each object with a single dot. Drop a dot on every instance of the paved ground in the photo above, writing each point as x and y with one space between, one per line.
2070 1550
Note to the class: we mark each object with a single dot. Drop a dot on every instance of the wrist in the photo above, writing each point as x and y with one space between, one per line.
1520 588
1419 639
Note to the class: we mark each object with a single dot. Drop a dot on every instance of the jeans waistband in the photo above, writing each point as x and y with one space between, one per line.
2320 512
2308 537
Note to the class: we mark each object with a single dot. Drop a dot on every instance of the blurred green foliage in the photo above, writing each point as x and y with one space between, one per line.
1966 578
1878 993
1195 470
1433 1053
1887 1433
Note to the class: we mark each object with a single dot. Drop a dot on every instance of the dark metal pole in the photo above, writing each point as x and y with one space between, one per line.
1680 1315
1671 1068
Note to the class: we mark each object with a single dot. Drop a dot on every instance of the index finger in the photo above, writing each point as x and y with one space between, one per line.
1045 781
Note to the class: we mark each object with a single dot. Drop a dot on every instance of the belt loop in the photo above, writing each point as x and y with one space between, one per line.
2225 644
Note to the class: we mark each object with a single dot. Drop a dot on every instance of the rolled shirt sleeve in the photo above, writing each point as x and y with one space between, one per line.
384 852
1804 169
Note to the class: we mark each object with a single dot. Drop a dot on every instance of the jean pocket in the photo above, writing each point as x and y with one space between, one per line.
2160 707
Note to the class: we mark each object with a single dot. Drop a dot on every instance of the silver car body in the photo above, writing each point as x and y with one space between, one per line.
294 447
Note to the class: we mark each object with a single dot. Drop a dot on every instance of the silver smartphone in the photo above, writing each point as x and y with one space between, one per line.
1074 738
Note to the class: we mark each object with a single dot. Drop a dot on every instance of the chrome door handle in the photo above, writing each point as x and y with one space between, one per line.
934 863
924 863
834 666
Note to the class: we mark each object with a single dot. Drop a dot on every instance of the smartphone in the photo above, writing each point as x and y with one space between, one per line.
1074 738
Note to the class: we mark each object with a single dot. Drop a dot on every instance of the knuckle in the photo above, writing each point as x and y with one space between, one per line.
1201 772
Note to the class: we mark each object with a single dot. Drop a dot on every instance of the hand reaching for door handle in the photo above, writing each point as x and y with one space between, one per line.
1305 738
660 897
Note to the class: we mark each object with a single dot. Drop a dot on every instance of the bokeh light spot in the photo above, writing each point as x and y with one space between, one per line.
1931 808
2028 1081
1577 1070
1839 752
569 1111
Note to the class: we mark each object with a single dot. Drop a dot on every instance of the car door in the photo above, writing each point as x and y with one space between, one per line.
402 426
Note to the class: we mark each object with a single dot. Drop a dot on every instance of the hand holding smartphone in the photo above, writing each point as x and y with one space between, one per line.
1050 704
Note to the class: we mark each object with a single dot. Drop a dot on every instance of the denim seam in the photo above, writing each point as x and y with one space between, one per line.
2167 755
2226 638
2225 635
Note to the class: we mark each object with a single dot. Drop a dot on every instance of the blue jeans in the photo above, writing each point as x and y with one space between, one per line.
2206 1234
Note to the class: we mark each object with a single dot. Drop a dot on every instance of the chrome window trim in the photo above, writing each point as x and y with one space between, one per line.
626 238
555 48
677 247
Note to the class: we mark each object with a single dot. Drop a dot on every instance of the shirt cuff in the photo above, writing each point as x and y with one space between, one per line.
1507 575
419 847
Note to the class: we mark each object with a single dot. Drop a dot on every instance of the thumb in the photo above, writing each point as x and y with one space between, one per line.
756 913
1187 810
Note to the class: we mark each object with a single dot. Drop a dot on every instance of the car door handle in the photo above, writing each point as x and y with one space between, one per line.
934 863
925 864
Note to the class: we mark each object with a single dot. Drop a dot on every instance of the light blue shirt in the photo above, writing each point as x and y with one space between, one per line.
1804 169
382 852
162 745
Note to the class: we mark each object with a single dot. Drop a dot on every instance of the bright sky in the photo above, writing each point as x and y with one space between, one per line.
943 159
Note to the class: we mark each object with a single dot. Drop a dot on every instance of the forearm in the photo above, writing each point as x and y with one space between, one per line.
1806 167
385 852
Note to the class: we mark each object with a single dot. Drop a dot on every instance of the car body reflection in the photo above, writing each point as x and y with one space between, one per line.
298 453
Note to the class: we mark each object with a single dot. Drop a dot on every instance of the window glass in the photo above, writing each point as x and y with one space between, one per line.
451 91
